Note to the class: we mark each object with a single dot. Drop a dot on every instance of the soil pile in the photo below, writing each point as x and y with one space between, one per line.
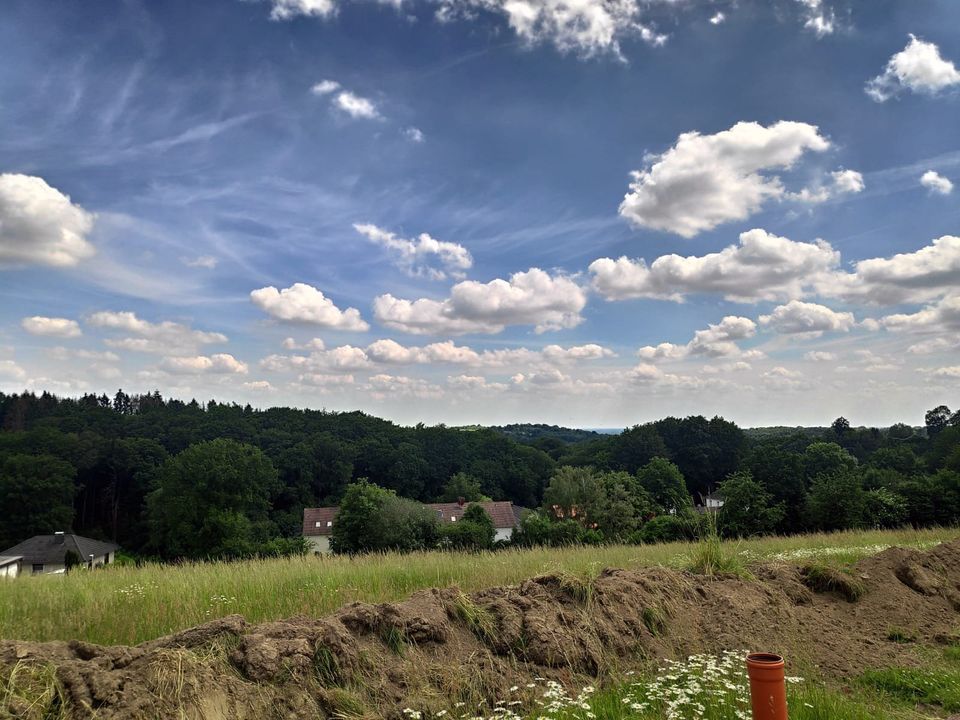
442 646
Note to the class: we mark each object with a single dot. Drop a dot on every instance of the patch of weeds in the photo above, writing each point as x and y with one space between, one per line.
821 577
709 557
655 620
31 692
932 687
326 666
951 653
579 588
345 705
479 620
395 639
900 635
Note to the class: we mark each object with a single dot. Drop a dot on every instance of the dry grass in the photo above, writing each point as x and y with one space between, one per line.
128 605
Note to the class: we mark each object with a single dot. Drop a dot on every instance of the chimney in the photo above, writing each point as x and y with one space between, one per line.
461 501
58 537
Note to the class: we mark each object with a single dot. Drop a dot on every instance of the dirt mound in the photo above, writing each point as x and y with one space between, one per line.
443 646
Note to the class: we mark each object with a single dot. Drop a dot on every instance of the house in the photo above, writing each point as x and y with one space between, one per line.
711 503
10 566
45 554
318 522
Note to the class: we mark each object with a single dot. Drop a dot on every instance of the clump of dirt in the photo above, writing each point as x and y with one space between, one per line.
443 646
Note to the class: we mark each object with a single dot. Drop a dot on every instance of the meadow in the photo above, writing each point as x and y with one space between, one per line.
130 604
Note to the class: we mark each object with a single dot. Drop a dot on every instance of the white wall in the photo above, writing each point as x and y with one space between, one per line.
10 571
319 543
503 534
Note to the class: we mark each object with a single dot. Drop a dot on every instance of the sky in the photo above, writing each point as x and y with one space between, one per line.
591 213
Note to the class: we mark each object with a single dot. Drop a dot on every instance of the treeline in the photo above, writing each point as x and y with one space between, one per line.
175 479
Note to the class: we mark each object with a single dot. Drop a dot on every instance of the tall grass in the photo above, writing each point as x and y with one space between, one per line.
128 605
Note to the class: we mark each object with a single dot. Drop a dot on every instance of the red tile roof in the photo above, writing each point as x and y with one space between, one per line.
503 513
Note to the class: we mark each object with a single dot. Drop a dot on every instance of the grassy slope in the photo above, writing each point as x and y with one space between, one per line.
127 605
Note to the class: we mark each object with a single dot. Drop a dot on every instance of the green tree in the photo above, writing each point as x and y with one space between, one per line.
936 420
572 493
36 497
885 508
665 484
372 519
747 508
635 447
212 500
474 531
461 485
836 501
826 458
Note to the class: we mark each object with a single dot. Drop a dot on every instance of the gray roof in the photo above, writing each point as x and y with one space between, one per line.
52 549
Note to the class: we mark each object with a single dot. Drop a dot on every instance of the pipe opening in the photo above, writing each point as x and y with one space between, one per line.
770 658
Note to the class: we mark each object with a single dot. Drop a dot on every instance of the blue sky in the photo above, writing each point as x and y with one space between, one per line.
592 213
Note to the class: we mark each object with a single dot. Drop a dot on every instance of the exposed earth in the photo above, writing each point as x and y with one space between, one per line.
441 646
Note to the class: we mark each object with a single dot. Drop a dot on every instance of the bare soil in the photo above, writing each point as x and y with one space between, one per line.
441 646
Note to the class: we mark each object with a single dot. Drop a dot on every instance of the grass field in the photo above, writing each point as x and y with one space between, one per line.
127 605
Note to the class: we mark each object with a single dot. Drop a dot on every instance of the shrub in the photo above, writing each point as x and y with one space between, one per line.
665 528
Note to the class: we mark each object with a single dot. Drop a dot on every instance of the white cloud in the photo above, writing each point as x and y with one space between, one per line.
258 385
919 68
314 344
219 364
418 257
847 181
950 373
717 18
781 378
345 358
935 182
384 386
706 180
804 318
324 380
941 317
289 9
62 353
820 356
842 182
39 225
906 277
11 371
591 351
762 267
302 303
935 345
533 298
162 338
718 340
359 108
389 351
51 327
818 18
325 87
207 262
414 134
585 27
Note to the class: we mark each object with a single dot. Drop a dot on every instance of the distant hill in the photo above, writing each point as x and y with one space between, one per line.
528 432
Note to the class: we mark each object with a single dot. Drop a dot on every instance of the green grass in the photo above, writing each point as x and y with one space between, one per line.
827 577
129 604
930 686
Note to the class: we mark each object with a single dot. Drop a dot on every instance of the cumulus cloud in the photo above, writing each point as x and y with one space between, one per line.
9 370
39 225
258 385
345 358
820 356
383 386
534 297
818 17
165 337
950 373
323 380
919 68
935 345
918 276
313 344
302 303
719 340
937 183
51 327
761 267
809 319
325 87
586 27
389 351
355 106
717 18
219 364
941 317
706 180
423 256
414 135
289 9
591 351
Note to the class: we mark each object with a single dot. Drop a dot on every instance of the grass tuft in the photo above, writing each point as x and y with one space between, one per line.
655 619
900 635
821 577
940 686
479 620
31 691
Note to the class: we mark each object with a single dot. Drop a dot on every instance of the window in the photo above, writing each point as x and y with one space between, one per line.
37 568
329 523
319 524
453 518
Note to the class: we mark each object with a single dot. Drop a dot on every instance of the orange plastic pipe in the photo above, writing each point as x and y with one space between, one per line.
768 687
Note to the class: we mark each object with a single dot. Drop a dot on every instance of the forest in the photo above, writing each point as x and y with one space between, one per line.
170 479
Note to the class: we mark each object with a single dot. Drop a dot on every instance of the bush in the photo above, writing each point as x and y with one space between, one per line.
665 528
474 531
